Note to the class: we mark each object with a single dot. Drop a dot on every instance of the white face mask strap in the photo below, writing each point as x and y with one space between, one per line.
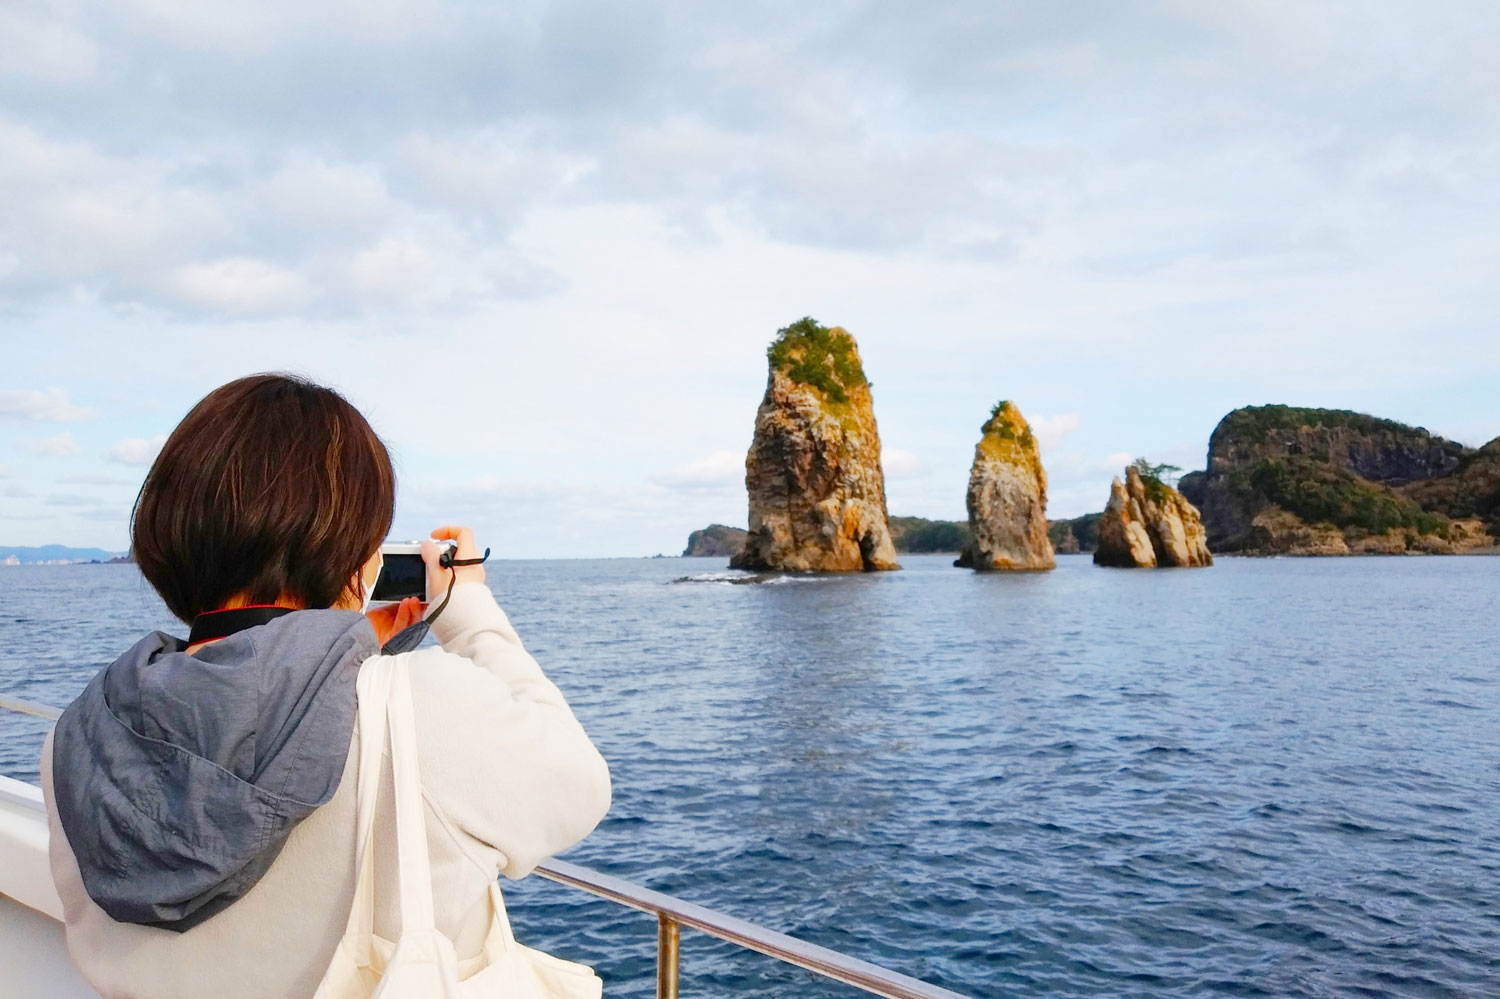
369 590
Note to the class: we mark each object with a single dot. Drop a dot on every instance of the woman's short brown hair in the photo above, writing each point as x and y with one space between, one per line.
271 487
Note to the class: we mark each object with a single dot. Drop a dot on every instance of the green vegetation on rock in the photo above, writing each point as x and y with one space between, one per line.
1322 493
1257 421
1472 490
812 354
1003 421
1377 449
1154 477
1008 438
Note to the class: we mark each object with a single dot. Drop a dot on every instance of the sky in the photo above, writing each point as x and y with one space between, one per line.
543 246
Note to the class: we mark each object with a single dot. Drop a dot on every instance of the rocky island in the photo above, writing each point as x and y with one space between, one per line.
1007 498
816 489
1147 524
1283 480
715 541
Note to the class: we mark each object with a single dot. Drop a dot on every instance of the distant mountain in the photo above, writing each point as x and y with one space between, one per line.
53 553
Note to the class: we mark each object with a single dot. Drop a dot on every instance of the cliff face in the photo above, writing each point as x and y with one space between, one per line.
1283 480
1007 498
1148 524
817 493
1380 450
715 540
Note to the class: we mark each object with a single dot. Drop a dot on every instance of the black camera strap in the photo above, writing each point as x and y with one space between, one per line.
411 636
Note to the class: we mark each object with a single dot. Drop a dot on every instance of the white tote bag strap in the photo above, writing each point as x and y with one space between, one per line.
418 962
500 919
373 690
411 826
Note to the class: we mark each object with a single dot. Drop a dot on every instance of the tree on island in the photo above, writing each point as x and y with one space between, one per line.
1163 474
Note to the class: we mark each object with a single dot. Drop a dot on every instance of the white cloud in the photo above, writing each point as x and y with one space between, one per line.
94 225
44 50
252 29
496 487
324 197
109 514
49 406
899 464
314 233
240 286
1051 431
135 450
59 445
720 470
485 174
70 499
1116 462
395 270
4 471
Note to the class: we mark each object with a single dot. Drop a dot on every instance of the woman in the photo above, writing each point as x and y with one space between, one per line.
201 793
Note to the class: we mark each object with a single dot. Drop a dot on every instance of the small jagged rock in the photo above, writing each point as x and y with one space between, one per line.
1007 498
1148 524
817 492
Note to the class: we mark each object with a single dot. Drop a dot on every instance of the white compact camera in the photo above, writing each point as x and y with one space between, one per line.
403 573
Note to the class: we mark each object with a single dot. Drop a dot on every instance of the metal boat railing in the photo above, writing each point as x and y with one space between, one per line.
674 913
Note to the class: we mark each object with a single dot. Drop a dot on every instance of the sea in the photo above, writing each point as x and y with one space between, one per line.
1272 777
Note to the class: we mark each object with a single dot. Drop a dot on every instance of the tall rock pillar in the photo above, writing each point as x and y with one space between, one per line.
817 493
1007 498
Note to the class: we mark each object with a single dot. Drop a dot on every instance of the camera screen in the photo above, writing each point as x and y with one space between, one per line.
402 576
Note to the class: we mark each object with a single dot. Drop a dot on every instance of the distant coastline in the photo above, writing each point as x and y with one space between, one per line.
57 555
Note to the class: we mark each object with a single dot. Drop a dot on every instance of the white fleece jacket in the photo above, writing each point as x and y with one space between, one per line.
509 777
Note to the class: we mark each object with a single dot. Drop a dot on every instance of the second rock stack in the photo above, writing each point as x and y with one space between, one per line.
1007 498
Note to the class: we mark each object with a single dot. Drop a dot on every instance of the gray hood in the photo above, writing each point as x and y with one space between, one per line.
178 777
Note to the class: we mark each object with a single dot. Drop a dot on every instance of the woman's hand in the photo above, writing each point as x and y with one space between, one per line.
438 577
391 619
